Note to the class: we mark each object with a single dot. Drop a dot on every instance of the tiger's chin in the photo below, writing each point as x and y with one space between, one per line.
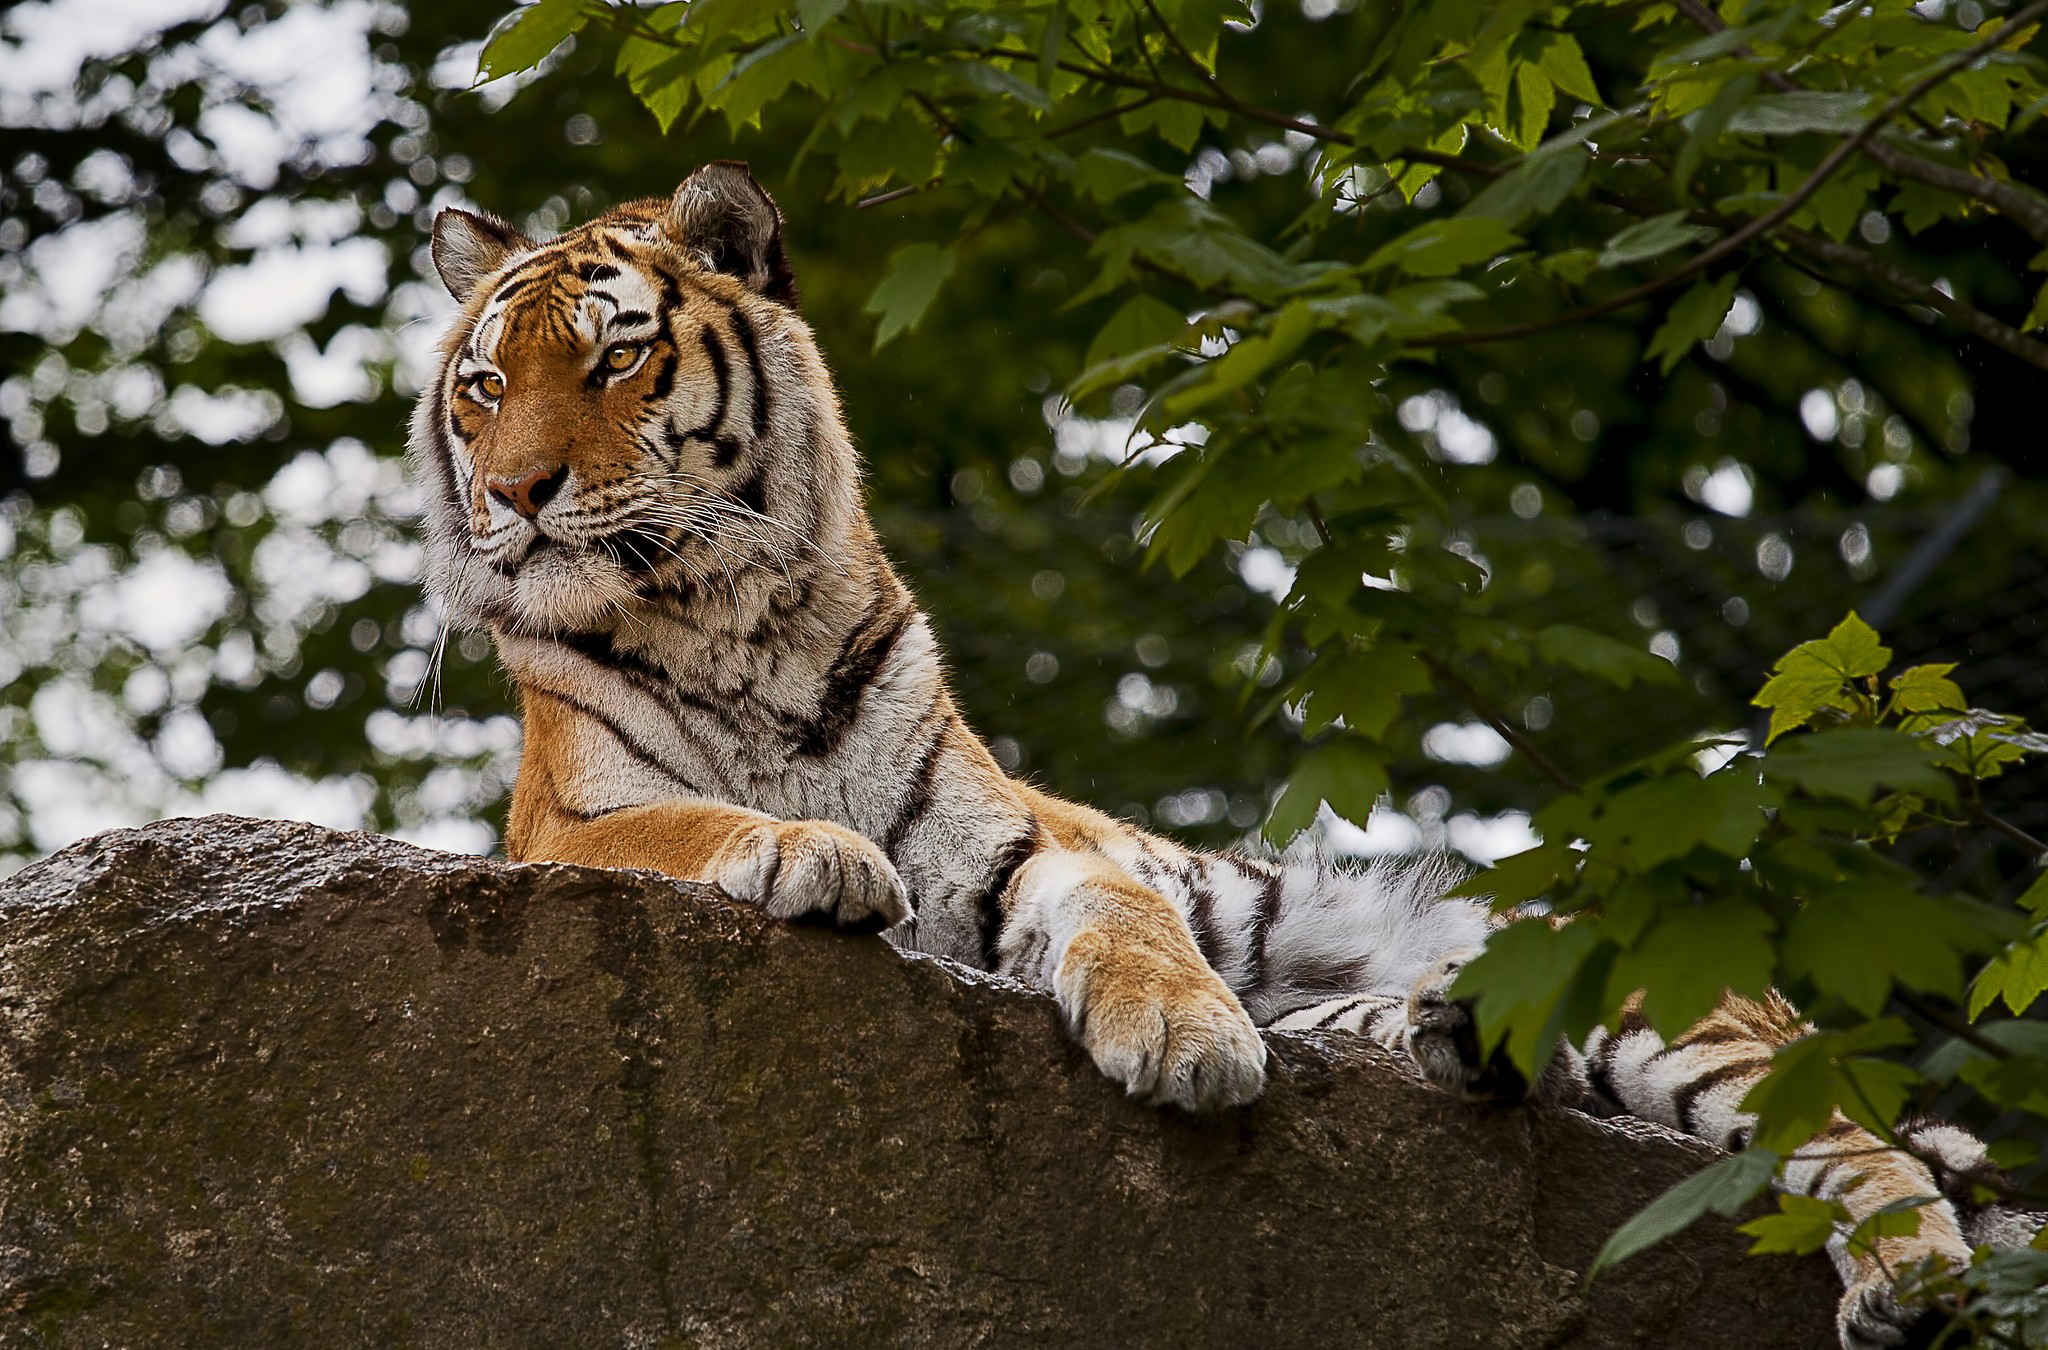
558 589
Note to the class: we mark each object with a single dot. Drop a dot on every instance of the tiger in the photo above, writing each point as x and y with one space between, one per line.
638 482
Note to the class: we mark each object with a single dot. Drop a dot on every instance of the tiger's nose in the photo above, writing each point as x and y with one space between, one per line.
529 494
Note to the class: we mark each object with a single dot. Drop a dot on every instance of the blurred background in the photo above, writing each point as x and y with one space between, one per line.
216 305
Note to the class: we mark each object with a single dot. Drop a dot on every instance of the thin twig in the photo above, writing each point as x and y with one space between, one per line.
1953 1025
894 194
1476 701
2009 830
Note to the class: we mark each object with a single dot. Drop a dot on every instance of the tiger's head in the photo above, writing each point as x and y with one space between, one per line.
628 413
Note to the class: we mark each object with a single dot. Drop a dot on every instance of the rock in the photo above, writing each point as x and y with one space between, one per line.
263 1084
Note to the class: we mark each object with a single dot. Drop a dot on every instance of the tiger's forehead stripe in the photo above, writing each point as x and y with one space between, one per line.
561 293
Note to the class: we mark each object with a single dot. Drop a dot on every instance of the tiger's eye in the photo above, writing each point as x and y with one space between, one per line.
621 355
493 385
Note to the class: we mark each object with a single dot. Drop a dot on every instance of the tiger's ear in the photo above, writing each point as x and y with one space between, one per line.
729 222
469 246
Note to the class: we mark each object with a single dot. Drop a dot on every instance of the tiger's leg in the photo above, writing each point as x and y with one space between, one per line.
1130 982
788 868
1696 1083
1380 1018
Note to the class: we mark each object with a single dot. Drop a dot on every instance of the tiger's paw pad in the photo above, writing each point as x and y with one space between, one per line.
1443 1040
1166 1034
798 869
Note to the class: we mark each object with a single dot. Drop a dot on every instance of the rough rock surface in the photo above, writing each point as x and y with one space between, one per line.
264 1084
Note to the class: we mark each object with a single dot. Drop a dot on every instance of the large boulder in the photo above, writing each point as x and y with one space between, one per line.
264 1084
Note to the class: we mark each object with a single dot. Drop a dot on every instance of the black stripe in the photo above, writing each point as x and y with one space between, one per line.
861 658
597 271
603 649
752 491
664 377
606 296
512 288
1687 1097
437 395
721 375
632 747
1714 1033
750 343
632 318
988 903
1201 917
1600 1068
1262 928
1336 1013
918 800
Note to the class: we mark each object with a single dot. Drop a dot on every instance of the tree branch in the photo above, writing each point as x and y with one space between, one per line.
2026 210
1776 216
1967 317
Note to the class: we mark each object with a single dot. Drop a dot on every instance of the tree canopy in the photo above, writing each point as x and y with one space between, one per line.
1502 396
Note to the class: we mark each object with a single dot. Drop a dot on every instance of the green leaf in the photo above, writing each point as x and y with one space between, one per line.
1143 323
1691 955
1801 1226
2037 316
1559 57
1809 679
1105 175
1802 110
1851 763
1724 1188
2018 976
1177 123
815 14
1855 942
1694 317
1589 653
1536 186
1346 772
1535 96
999 83
1362 687
1248 358
1049 45
1852 648
525 37
1529 981
1668 816
1926 689
1441 247
1524 876
916 272
1652 238
1706 127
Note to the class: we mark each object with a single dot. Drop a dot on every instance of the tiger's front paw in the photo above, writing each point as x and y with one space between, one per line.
792 869
1168 1030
